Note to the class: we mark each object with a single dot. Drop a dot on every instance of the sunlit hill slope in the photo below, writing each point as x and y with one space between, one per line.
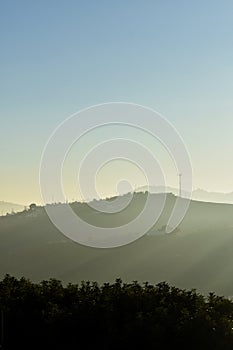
198 254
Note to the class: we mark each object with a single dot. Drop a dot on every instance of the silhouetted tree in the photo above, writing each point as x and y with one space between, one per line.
32 206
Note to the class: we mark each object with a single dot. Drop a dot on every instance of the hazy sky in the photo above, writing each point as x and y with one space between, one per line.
60 56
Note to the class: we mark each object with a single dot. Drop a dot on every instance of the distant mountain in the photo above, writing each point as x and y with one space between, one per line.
6 207
217 197
198 194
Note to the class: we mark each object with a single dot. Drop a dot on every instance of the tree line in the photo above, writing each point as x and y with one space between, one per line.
117 315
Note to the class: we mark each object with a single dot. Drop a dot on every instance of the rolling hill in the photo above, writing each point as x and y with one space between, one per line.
198 255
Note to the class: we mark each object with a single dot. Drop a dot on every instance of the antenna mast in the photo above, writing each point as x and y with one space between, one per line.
180 184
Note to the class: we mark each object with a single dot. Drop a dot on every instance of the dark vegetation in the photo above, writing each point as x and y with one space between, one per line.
111 316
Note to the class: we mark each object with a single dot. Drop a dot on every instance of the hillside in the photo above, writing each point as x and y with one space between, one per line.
198 255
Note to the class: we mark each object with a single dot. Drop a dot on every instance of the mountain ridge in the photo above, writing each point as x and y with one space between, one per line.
9 207
198 194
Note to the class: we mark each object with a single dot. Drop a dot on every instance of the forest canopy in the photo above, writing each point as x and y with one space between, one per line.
50 315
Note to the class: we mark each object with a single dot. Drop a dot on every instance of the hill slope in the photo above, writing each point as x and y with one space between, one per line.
198 255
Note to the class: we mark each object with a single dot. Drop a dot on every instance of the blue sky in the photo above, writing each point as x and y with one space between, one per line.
60 56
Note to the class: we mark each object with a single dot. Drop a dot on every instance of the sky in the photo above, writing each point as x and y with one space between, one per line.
58 57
